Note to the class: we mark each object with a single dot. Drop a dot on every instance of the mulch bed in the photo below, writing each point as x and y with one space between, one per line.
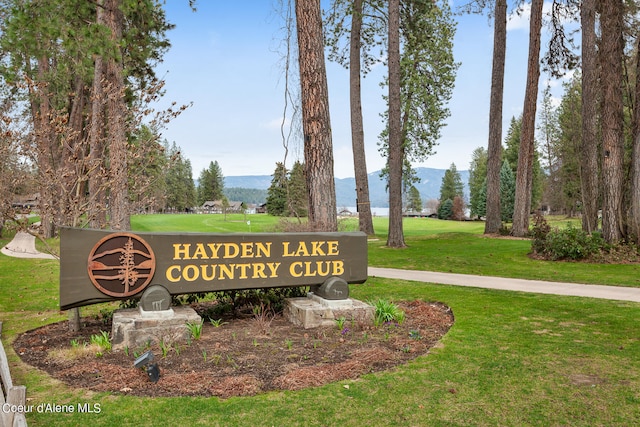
245 355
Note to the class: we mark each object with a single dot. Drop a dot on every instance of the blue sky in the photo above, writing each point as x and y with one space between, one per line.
224 59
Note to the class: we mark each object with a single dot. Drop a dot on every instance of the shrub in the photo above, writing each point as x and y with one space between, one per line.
571 243
539 233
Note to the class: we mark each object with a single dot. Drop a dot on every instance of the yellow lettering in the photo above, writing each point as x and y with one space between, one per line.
231 250
214 247
307 270
263 249
302 249
181 251
273 268
285 249
169 273
205 276
226 270
190 273
323 271
338 268
332 248
247 250
258 271
200 252
243 270
295 269
316 248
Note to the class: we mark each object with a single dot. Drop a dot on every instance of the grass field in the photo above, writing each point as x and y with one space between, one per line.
511 359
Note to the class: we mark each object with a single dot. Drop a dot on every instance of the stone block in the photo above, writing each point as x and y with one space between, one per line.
314 311
135 328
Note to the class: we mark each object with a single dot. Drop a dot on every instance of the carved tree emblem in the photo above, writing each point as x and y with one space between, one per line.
121 265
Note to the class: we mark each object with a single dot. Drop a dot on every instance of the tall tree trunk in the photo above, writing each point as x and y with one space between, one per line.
589 145
395 160
494 149
357 130
97 204
46 150
316 122
634 214
612 116
524 178
117 138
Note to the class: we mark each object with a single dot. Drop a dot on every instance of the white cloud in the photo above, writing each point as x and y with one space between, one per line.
519 19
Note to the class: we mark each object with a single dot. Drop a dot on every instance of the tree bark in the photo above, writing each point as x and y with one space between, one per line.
634 214
494 148
612 116
396 146
524 178
97 203
589 145
46 150
357 130
116 110
316 123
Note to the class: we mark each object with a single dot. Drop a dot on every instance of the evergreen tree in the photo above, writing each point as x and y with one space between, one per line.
415 201
507 191
452 185
181 192
477 179
512 147
211 183
277 192
445 210
297 196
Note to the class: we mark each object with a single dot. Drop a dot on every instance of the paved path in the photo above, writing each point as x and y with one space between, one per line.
536 286
23 245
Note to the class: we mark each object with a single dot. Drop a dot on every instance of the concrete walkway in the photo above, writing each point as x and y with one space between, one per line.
23 245
536 286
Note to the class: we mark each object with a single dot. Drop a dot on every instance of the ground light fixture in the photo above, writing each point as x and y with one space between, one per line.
145 362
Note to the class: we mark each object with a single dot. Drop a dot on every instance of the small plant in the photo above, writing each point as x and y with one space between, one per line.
217 323
255 342
288 343
177 348
340 321
102 341
75 343
386 311
414 334
204 355
195 329
263 316
126 350
164 348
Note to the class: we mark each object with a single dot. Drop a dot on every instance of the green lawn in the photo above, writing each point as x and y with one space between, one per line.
510 359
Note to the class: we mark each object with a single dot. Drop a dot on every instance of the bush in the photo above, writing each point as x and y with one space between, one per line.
539 233
570 243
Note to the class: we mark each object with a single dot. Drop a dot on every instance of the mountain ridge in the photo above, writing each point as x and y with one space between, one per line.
429 186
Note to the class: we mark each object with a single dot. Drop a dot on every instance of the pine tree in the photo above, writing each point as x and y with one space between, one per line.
415 201
277 192
507 191
452 185
477 179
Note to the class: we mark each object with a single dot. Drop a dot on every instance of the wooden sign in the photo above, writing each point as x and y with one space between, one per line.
98 266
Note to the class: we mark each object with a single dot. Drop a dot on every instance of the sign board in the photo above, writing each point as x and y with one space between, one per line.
98 266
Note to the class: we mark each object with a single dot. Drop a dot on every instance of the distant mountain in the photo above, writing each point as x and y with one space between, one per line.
429 186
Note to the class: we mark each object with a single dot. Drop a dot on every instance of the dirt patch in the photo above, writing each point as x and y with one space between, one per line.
240 357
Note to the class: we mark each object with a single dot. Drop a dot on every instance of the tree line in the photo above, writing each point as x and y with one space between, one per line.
78 82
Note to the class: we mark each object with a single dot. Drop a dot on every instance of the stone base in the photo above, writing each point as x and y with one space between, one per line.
314 311
134 328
